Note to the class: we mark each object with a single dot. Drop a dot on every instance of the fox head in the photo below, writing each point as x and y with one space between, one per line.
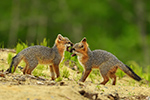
63 42
80 48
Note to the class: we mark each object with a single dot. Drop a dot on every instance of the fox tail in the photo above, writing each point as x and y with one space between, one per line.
129 72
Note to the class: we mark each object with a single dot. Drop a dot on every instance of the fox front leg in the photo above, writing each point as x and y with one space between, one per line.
52 72
56 68
85 75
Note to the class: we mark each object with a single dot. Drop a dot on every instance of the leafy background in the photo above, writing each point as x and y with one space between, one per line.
121 27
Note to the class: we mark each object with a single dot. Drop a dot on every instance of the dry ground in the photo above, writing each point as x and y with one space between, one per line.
28 87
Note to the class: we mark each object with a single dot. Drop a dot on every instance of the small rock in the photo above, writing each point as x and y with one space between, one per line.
101 93
116 97
39 83
40 78
51 83
2 74
62 83
2 70
30 76
52 97
91 96
81 84
21 79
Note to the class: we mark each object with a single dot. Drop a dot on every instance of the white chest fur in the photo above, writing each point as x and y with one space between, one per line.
80 59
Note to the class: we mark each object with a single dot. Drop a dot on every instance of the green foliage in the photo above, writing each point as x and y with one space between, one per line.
40 67
58 79
98 87
2 45
67 55
144 73
103 29
93 74
92 77
45 42
20 46
41 70
148 77
120 73
38 73
12 69
65 73
9 58
81 69
96 72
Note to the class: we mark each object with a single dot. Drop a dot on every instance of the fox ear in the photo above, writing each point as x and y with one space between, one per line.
60 37
84 39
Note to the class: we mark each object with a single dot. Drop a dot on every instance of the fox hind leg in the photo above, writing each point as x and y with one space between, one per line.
106 79
32 64
104 72
27 65
30 69
25 69
112 75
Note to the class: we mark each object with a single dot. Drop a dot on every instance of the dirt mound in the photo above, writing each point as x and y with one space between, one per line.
28 87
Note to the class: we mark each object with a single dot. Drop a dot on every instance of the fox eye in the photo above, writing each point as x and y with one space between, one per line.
81 46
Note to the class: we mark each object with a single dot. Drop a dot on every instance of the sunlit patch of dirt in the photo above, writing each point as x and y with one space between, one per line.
28 87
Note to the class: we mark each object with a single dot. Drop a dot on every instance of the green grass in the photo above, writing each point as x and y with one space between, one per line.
9 58
20 46
2 44
92 77
45 42
42 70
58 79
65 73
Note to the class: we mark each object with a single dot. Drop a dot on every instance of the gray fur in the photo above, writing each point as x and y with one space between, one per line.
105 61
37 54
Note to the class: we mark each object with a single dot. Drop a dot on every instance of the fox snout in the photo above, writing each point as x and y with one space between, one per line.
69 46
72 50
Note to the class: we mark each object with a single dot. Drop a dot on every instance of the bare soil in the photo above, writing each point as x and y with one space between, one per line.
28 87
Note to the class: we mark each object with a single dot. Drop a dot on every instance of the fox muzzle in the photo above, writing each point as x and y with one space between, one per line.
72 49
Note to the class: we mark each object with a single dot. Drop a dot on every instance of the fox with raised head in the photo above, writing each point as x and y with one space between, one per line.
35 55
105 61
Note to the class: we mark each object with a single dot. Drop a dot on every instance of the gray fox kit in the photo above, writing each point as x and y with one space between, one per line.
35 55
105 61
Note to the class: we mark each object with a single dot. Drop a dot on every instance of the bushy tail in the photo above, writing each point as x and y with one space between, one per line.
130 72
15 61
